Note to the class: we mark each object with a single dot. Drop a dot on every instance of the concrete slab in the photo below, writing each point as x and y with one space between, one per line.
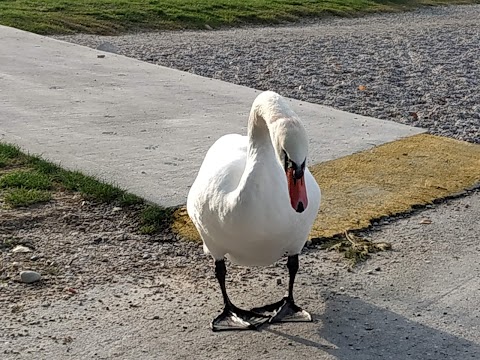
142 126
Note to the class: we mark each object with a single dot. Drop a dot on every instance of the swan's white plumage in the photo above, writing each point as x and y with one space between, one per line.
239 201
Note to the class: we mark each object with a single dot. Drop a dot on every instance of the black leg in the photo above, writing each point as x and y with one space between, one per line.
292 266
220 273
232 317
286 310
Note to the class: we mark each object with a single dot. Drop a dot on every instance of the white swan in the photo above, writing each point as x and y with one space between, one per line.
255 201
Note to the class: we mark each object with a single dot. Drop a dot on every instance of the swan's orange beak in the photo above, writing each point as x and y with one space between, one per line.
297 190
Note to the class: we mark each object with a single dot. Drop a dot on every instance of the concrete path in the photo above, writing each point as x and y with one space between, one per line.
142 126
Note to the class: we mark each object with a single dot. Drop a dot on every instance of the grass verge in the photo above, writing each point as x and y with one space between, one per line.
18 197
111 17
27 180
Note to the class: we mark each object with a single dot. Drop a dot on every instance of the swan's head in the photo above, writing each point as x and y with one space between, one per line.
291 145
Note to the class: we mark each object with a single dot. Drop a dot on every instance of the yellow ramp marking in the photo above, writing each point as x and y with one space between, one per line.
391 179
386 180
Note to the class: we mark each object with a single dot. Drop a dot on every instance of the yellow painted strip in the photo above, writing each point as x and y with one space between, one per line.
390 179
386 180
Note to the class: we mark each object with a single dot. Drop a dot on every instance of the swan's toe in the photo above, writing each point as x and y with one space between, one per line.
290 312
238 319
284 310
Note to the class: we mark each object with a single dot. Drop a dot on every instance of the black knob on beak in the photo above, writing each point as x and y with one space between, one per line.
298 172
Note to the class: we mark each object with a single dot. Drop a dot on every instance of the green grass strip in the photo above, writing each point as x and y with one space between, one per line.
25 179
17 197
118 16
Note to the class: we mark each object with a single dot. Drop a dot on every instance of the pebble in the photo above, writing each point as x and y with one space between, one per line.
29 277
108 47
21 249
419 68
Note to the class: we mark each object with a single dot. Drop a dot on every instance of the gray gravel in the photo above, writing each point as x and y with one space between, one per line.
420 68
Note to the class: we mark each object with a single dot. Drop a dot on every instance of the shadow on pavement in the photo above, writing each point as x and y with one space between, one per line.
362 331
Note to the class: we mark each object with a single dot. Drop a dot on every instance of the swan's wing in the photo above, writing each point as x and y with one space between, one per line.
219 173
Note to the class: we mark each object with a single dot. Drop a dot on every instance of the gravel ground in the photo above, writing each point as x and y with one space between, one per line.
420 68
106 300
75 244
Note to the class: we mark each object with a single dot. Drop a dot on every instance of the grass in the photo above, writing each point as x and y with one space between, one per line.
26 180
29 177
18 197
119 16
154 218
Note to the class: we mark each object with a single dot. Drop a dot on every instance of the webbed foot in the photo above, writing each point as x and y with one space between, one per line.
284 310
233 318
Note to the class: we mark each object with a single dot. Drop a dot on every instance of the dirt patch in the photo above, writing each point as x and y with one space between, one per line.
76 243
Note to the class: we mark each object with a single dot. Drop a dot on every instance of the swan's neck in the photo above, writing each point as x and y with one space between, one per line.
262 162
259 138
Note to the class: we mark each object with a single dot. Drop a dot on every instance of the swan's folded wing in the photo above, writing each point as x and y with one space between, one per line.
219 173
224 164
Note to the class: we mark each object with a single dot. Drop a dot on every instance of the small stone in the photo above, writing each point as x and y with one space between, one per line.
279 281
146 256
100 56
21 249
97 240
378 268
108 47
29 277
116 209
208 27
34 257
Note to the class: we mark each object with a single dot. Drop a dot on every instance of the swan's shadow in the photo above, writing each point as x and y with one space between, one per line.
362 331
